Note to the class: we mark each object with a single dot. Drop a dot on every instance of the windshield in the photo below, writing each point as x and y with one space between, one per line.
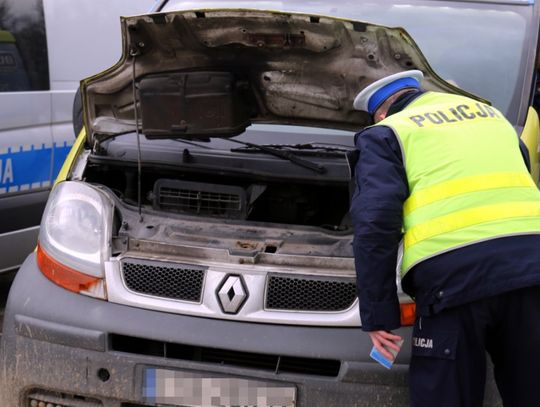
480 47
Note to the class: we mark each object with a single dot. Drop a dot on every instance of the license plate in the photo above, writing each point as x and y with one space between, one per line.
187 389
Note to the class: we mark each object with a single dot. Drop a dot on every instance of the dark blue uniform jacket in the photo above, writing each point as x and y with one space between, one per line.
456 277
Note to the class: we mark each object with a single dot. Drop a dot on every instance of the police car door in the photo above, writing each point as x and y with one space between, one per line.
26 148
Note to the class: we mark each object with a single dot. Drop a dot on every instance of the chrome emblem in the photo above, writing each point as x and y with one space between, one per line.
232 294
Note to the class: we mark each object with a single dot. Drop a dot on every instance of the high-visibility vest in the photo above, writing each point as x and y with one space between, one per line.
467 179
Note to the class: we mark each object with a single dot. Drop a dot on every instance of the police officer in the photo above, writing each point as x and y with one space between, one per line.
451 174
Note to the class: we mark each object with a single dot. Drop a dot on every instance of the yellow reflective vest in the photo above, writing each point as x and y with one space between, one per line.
467 179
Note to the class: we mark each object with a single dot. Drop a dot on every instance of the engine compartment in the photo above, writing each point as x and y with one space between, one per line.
241 198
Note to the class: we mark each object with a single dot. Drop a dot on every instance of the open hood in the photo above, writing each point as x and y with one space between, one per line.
211 73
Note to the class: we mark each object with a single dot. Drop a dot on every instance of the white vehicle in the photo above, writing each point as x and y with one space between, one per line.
46 48
196 250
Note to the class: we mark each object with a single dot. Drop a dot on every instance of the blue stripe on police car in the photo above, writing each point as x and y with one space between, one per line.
30 167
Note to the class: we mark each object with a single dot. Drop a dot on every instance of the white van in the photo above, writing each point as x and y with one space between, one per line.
46 47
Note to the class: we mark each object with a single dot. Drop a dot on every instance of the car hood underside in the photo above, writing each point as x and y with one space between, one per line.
211 73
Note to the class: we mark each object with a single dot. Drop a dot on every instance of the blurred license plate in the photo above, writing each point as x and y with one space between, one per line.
187 389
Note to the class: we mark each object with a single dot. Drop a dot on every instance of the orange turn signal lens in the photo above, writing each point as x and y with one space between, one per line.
64 276
408 313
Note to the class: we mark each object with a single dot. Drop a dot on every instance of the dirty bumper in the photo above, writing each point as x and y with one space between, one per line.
68 349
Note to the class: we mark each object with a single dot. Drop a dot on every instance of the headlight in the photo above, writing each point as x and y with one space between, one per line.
75 236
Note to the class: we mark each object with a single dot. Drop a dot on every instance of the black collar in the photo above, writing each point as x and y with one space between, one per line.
403 101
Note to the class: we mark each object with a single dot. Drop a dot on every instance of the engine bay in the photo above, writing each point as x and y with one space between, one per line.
239 198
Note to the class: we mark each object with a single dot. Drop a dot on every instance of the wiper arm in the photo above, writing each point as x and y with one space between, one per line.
330 147
287 155
312 147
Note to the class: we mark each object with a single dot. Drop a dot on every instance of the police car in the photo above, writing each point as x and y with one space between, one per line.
196 250
46 47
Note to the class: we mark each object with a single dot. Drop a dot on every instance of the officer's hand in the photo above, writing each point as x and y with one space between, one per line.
383 340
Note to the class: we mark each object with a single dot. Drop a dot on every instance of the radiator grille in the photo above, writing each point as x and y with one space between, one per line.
272 363
309 294
167 280
46 398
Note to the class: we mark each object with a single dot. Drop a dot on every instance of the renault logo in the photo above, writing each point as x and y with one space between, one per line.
232 294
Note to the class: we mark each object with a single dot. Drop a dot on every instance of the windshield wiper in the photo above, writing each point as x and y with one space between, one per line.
320 146
287 155
312 147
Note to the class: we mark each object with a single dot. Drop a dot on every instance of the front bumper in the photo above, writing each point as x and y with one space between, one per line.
62 344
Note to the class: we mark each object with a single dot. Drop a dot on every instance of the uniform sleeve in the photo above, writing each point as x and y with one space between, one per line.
376 213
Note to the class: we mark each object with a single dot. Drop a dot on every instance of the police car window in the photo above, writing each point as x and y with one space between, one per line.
23 46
